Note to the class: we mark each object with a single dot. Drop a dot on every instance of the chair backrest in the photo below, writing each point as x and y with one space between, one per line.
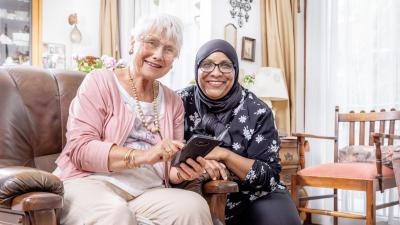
34 106
361 125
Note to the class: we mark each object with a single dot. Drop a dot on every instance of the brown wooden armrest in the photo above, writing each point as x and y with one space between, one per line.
378 154
304 146
313 136
37 201
220 187
382 135
215 192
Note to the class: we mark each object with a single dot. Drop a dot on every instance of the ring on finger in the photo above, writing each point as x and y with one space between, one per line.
178 174
167 150
166 156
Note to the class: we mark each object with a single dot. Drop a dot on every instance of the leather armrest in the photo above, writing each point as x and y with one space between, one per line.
220 187
37 201
15 181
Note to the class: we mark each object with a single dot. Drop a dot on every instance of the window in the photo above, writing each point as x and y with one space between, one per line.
353 61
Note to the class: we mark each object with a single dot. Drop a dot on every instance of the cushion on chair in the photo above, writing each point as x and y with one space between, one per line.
365 153
346 170
15 181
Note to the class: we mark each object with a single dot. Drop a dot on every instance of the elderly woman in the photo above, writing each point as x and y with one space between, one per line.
122 130
250 145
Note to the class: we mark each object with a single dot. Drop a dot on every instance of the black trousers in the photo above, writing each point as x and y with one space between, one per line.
276 208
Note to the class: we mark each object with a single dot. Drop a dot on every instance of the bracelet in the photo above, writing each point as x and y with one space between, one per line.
126 157
132 159
129 158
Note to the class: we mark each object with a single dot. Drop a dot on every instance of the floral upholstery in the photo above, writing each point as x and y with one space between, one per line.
363 153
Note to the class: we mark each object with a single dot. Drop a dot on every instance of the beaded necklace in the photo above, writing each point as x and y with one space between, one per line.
156 127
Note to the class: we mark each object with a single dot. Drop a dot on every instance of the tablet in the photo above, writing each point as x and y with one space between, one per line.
198 145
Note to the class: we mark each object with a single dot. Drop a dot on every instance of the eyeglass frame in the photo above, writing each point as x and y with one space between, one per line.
217 65
146 44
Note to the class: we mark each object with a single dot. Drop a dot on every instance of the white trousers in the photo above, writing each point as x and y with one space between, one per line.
89 201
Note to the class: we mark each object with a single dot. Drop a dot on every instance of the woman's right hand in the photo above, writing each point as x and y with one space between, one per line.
163 151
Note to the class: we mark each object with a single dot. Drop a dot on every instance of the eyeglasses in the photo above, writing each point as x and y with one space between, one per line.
208 67
152 44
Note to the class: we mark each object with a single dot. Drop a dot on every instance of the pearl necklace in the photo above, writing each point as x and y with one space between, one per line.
156 127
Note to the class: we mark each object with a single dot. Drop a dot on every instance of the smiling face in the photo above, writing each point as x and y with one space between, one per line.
153 56
216 84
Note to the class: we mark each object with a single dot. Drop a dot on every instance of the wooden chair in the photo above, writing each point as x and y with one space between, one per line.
367 177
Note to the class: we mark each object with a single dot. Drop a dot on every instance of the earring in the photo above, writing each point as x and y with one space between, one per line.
130 51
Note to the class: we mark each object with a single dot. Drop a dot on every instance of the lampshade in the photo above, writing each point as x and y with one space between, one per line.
270 84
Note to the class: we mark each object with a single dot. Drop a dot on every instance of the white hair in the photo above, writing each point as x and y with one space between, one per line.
167 25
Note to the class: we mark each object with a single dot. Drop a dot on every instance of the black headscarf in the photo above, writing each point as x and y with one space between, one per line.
215 114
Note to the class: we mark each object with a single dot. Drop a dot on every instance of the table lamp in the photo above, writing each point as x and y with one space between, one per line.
269 85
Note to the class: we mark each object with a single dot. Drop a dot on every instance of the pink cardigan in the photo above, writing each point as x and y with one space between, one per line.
98 118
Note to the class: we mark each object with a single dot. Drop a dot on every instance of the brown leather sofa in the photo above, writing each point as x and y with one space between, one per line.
34 107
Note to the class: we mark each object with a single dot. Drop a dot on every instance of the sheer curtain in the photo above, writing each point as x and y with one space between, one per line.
188 11
353 61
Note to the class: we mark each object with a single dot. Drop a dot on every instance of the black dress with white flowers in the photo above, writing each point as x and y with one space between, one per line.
254 136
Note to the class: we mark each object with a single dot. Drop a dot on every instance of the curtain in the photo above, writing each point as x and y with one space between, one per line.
278 19
188 11
353 61
129 13
109 30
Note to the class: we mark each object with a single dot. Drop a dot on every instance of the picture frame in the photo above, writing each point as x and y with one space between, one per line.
248 49
53 56
230 34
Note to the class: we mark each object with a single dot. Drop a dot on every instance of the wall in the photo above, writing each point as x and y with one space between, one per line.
215 15
56 28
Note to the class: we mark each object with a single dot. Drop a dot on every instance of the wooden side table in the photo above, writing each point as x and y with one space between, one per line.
289 155
290 161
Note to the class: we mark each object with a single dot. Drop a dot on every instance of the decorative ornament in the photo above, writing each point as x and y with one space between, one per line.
75 35
240 7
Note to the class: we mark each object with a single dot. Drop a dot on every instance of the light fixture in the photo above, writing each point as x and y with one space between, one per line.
270 85
240 8
75 35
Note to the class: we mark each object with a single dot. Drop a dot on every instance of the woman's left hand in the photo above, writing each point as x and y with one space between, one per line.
216 169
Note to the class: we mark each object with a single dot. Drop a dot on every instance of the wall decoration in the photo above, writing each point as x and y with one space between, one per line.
75 35
230 34
53 56
248 48
240 8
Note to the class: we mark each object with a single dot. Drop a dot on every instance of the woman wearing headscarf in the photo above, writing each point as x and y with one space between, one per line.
123 128
217 104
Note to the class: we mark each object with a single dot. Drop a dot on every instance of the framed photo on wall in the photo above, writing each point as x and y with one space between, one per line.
53 56
248 48
230 34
